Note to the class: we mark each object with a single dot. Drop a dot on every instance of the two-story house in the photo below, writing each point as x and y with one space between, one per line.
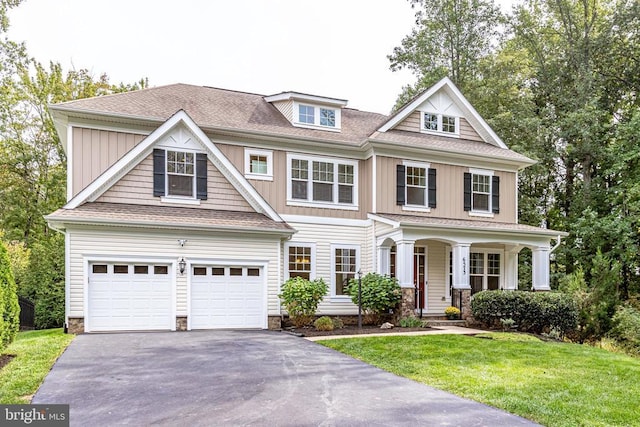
189 206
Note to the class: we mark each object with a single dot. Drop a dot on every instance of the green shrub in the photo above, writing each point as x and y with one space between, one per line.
535 312
323 323
337 323
300 297
507 324
379 293
9 307
626 329
412 322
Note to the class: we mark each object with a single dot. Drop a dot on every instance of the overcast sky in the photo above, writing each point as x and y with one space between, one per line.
335 48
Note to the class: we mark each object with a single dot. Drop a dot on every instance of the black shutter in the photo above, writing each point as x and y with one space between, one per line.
159 165
467 191
495 194
432 188
201 176
400 183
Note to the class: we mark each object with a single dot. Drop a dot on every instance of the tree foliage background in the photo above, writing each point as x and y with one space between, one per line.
33 166
558 80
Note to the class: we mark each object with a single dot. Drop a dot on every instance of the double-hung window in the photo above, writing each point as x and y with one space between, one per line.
322 182
300 260
346 262
416 186
480 193
180 173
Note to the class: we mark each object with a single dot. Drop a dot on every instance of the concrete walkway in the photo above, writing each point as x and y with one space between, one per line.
242 378
439 330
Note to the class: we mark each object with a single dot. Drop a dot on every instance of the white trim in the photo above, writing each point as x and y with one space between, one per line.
194 190
287 245
476 171
471 114
143 149
481 214
419 165
332 290
309 202
180 200
248 152
321 220
280 250
69 162
88 259
374 184
67 276
286 96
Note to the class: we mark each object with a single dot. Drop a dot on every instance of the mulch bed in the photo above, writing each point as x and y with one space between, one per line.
5 358
349 330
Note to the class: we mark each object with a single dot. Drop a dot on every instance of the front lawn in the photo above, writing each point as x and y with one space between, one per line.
555 384
36 352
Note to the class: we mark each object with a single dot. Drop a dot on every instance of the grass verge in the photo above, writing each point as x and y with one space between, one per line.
555 384
36 352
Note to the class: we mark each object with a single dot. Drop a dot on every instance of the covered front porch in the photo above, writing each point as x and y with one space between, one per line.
442 262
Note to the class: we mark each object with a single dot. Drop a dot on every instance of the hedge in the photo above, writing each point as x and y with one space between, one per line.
535 312
9 307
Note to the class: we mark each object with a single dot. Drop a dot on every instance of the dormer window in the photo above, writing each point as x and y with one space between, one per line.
317 116
439 123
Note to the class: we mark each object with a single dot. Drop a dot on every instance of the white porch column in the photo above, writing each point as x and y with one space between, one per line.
511 267
460 261
404 263
541 269
384 260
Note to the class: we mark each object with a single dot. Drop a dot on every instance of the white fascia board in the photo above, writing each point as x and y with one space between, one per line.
487 133
286 96
409 108
542 232
383 220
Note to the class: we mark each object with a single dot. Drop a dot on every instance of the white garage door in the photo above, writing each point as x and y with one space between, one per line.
129 297
227 297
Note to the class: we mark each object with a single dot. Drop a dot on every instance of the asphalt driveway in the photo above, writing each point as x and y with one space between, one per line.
242 378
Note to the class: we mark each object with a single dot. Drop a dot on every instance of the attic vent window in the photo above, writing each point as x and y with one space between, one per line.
327 117
439 123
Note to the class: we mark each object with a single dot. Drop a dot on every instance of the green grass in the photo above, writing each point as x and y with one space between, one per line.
36 352
555 384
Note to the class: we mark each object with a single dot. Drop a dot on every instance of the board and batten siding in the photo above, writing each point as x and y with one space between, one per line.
323 236
94 151
136 187
412 124
129 246
450 192
275 191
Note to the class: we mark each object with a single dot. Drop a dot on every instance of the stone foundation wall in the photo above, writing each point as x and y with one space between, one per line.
75 325
466 306
181 323
274 322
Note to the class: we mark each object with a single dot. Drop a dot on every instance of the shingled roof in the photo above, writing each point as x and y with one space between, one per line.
168 217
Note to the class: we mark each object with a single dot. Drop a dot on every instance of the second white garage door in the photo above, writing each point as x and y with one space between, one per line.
227 297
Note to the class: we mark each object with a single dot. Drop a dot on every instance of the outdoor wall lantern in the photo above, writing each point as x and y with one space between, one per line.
182 265
181 242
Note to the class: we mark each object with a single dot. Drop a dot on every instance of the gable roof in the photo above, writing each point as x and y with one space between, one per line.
125 164
470 113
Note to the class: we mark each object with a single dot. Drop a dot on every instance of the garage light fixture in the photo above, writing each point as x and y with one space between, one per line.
182 265
181 242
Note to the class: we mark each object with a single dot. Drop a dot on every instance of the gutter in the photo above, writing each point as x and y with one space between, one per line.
557 245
